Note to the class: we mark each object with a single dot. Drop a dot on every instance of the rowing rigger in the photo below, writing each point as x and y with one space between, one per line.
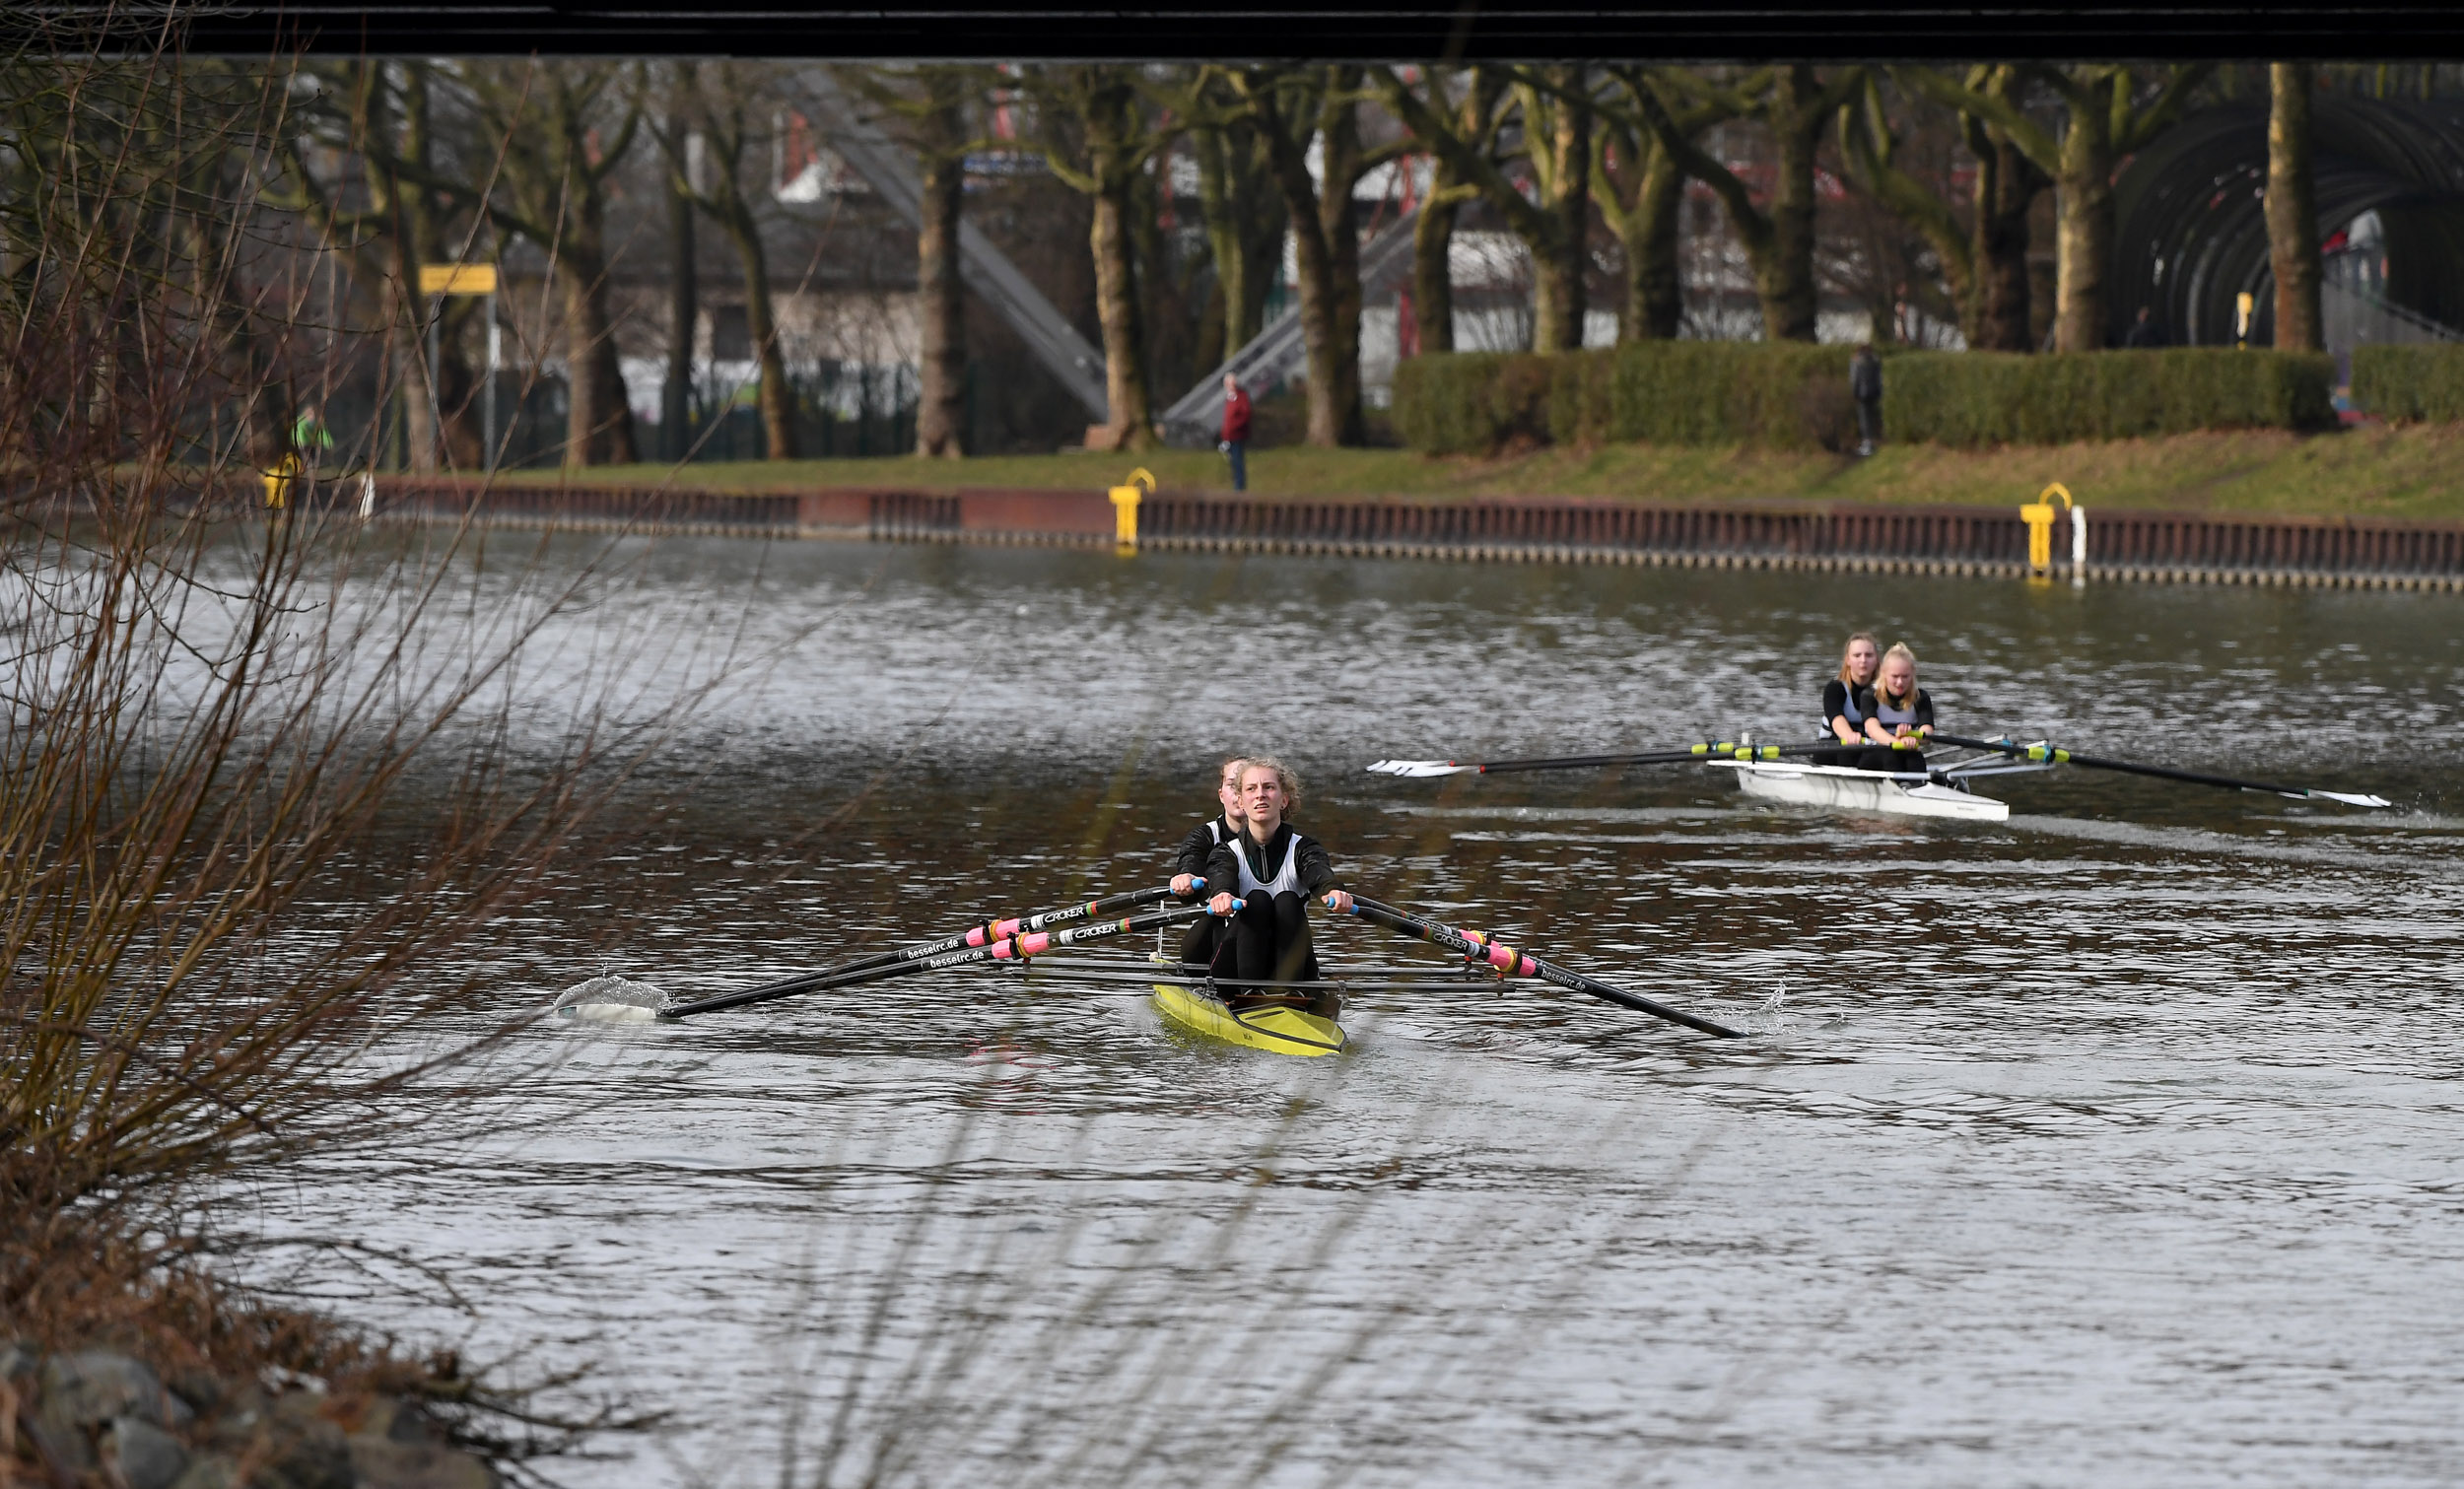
1476 947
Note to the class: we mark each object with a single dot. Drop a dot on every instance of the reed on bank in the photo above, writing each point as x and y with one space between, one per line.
269 781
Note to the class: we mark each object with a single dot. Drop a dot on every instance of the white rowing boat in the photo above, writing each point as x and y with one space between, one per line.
1941 791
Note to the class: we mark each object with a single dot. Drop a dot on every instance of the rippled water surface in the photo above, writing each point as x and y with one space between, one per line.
2118 1144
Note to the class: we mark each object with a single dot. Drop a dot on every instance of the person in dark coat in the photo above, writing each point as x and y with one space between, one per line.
1236 430
2143 335
1865 386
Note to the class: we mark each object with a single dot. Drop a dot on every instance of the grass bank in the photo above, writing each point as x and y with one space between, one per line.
2386 471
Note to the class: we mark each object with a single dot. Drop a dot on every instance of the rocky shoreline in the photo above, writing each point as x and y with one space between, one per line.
81 1418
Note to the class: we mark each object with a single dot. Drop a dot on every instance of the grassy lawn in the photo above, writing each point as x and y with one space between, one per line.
2409 472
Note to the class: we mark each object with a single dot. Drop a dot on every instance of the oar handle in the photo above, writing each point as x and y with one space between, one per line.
1521 963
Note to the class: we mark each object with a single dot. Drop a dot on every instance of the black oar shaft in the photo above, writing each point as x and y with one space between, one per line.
1723 750
2056 754
1524 964
980 934
1015 947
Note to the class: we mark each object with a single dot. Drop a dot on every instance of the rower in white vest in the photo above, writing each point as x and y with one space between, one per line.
1896 709
1264 879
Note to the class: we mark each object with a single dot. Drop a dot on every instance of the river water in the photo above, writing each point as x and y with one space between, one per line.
2117 1144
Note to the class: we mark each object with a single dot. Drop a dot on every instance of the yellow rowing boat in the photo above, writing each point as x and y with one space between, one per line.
1285 1031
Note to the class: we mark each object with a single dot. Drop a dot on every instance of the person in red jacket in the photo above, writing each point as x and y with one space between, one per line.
1236 430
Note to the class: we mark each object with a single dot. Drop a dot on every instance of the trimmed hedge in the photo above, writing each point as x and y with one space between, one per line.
1793 396
1789 396
1972 398
2409 383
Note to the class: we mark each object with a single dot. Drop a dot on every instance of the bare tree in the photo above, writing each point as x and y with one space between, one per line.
1292 107
1094 133
559 135
2105 120
1645 190
1553 109
1795 105
720 105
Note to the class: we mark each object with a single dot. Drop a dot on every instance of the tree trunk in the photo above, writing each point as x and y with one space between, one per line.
774 397
2007 184
2084 235
1326 243
1655 297
2293 207
1559 291
1130 424
1784 279
684 312
1238 225
941 301
1433 265
598 426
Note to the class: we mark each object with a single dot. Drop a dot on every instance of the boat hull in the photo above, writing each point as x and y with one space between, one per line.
1841 789
1284 1031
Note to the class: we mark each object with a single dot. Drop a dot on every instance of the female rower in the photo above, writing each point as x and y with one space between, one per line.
1895 707
1843 714
1264 879
1188 864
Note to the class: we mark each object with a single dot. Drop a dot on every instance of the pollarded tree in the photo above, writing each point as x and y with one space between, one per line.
2105 120
927 107
1644 188
1475 96
381 113
1554 109
1984 260
1292 106
1093 130
556 135
1796 105
720 104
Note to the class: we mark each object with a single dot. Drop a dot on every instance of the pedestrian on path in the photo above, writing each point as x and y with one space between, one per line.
1236 430
1865 386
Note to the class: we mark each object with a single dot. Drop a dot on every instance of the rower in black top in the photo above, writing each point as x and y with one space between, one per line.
1895 707
1264 880
1843 709
1189 862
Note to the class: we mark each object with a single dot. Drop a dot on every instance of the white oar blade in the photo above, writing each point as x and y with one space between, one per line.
612 1000
1417 769
2350 800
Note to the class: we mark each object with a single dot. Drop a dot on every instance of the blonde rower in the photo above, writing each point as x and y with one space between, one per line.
1264 879
1894 709
1843 705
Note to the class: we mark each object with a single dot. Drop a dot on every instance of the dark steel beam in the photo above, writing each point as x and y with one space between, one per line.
1363 29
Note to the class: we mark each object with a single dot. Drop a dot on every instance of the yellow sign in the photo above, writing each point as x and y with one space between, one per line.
2038 516
457 279
1124 510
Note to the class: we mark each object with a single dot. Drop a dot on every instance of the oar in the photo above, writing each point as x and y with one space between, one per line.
2056 754
983 933
1422 769
1017 946
1520 964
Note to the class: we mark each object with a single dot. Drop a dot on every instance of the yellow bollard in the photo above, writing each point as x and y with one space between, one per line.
278 478
1125 510
2038 516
